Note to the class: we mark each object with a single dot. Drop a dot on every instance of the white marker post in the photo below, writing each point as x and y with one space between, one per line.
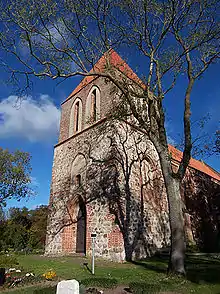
93 236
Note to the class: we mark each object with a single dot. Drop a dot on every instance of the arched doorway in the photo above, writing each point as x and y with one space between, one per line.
81 228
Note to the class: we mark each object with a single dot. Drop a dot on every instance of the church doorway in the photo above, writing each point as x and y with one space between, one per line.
81 228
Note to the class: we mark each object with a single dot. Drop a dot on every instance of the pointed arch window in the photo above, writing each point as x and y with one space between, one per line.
78 181
93 106
75 117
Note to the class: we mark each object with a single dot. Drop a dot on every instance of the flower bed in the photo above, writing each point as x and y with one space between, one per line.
17 277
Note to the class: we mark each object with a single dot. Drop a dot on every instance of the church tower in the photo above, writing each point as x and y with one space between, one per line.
106 179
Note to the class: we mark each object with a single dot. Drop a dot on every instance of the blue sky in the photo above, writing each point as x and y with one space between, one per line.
33 124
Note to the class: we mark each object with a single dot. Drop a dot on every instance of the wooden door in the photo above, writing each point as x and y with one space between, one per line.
81 229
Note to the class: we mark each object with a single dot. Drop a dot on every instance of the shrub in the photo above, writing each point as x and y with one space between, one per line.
100 282
144 288
8 261
192 248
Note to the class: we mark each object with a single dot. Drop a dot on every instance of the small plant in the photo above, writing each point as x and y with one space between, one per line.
8 261
50 275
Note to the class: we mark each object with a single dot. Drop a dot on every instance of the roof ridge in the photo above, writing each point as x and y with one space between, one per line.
211 168
115 60
195 163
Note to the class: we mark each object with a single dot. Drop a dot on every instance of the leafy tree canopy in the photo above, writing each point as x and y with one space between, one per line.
21 228
15 169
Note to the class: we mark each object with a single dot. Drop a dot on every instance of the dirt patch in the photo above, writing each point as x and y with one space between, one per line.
117 290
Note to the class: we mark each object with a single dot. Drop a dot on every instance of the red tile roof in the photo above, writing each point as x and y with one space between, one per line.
115 60
196 164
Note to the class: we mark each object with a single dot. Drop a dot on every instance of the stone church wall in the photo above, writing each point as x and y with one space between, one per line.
121 187
201 196
122 207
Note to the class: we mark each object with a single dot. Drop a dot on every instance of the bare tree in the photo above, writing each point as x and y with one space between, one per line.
217 142
62 39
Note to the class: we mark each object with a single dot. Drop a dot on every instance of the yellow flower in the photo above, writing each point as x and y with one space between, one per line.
49 275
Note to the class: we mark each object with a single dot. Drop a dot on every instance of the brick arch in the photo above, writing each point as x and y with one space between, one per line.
74 231
75 124
81 226
74 234
148 167
152 181
89 108
78 167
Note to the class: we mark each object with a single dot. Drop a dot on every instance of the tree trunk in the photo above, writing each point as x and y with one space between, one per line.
128 248
177 254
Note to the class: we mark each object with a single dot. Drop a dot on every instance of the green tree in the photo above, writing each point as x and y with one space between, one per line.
24 228
15 169
2 227
17 228
62 39
38 228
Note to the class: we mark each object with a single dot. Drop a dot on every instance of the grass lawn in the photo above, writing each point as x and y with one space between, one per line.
203 274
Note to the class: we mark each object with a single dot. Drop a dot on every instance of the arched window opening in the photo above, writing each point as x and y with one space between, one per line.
93 106
78 172
75 124
77 180
81 228
76 117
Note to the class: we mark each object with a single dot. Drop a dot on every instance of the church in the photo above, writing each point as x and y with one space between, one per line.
107 180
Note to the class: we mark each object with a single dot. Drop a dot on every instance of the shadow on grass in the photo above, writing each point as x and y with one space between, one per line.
85 264
198 269
152 264
149 288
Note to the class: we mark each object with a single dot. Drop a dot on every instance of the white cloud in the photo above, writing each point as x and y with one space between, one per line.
34 120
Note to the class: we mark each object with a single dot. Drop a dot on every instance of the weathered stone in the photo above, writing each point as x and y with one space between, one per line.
121 195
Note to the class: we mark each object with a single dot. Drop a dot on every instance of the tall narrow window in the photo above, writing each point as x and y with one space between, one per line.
75 124
76 116
78 181
93 106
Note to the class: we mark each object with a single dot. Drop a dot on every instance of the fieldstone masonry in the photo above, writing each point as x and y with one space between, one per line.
121 186
107 179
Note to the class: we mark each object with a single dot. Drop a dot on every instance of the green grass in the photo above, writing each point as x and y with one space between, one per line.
203 274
